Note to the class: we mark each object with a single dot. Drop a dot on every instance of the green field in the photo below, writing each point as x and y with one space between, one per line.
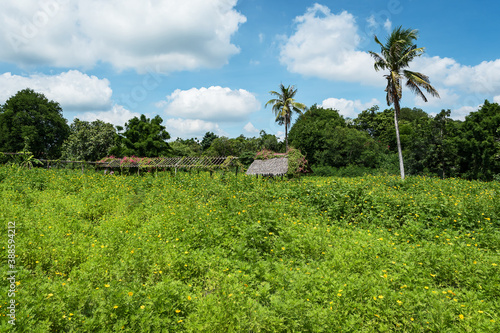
194 253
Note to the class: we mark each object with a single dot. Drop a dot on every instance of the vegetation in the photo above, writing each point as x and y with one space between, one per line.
142 137
88 141
284 105
396 55
191 253
29 121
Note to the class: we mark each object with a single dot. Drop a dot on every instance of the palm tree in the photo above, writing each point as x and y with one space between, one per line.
284 105
396 55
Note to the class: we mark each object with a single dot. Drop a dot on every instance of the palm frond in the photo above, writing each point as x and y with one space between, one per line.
420 80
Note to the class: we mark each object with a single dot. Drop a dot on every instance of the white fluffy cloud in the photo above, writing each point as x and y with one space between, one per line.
481 79
328 45
496 99
346 107
463 111
250 128
212 104
325 45
118 115
74 90
166 35
188 128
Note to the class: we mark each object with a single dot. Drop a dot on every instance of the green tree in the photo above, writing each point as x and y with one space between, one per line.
284 105
207 140
269 141
396 55
88 141
477 143
28 120
312 129
189 147
222 146
143 137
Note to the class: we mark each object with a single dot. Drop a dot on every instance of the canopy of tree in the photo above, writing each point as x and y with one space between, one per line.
142 137
322 134
88 141
29 121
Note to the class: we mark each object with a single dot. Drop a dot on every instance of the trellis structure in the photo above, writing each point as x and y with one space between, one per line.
203 162
149 163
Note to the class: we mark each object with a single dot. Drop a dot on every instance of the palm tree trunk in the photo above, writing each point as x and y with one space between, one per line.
286 137
396 124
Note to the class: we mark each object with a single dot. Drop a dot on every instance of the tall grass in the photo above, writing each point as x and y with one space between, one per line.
194 253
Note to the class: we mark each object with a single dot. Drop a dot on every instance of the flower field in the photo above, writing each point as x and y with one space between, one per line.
194 253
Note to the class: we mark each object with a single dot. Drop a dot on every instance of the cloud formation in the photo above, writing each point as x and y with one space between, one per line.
164 35
347 108
325 45
118 115
328 46
250 128
212 104
73 90
186 128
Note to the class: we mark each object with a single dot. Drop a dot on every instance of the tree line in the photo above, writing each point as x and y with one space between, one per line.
431 144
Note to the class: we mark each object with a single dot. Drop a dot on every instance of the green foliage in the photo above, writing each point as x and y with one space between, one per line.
284 105
311 130
193 253
247 158
207 140
189 147
323 136
222 146
88 141
28 120
142 137
478 142
297 163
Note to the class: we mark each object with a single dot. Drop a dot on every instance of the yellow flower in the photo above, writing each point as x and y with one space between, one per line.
115 307
189 298
106 285
130 293
381 297
142 306
177 311
461 316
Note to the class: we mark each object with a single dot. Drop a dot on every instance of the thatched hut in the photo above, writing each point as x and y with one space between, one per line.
271 167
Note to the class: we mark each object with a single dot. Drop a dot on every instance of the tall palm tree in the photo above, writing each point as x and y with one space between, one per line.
284 105
396 55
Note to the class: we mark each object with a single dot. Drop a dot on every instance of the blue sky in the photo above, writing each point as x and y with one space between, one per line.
209 65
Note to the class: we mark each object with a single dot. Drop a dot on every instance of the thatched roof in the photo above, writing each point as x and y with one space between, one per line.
270 167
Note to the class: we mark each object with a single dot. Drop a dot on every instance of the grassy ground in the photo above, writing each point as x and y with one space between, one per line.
191 253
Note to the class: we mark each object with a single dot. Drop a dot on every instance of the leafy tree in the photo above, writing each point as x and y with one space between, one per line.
284 105
396 55
28 120
143 137
222 146
207 140
189 147
269 141
312 129
378 125
88 141
477 143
